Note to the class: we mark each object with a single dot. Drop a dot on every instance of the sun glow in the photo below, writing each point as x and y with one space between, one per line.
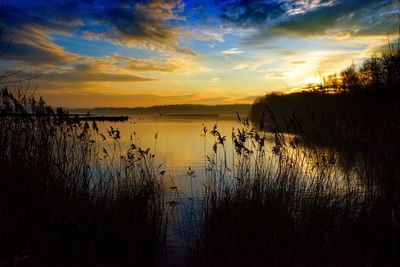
312 80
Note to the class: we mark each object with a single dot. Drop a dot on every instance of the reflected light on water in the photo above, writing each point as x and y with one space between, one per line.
178 143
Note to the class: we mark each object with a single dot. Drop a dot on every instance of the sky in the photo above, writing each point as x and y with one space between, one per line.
98 53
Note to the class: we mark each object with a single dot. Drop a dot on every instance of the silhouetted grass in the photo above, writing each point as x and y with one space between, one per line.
296 207
70 196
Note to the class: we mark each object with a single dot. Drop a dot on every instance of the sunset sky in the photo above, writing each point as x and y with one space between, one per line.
125 53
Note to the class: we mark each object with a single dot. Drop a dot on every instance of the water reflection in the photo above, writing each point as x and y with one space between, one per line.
179 143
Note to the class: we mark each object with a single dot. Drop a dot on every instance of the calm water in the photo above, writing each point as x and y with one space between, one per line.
180 143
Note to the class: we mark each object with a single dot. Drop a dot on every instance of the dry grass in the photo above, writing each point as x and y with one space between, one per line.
296 205
70 196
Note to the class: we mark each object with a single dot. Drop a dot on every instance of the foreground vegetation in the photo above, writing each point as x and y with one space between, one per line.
302 206
70 196
327 195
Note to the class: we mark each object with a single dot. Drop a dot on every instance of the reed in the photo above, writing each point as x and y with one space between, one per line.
70 195
293 204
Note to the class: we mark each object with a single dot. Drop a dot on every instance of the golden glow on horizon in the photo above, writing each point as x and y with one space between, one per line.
312 80
222 79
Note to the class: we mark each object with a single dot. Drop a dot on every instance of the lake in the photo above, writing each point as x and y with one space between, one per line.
178 143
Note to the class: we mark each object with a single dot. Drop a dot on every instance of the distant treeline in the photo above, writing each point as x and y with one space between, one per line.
223 110
359 104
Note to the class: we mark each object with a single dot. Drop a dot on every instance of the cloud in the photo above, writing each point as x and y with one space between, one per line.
35 48
240 66
244 13
148 24
336 61
36 55
288 18
298 62
143 65
276 74
231 51
31 26
253 65
113 68
177 63
78 74
323 18
75 75
208 34
26 35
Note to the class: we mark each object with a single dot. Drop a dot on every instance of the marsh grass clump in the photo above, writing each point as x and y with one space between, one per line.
70 195
292 204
